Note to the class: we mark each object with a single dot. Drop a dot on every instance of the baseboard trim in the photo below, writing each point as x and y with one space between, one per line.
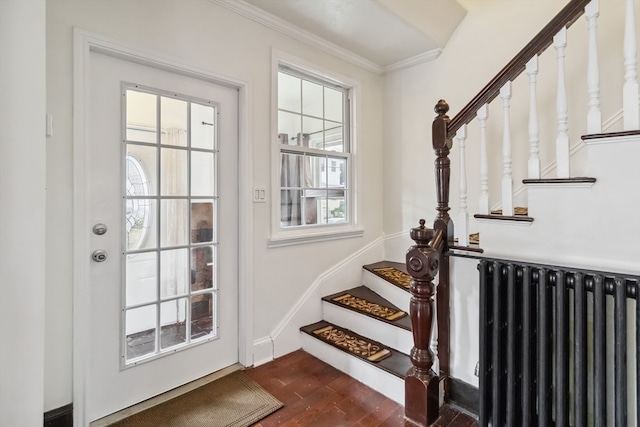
60 417
464 396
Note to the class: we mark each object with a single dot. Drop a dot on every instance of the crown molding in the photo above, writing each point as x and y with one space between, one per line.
414 60
260 16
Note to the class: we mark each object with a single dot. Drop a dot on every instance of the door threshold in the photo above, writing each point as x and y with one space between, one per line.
164 397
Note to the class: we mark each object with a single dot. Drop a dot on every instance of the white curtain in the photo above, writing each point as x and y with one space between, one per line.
290 172
174 214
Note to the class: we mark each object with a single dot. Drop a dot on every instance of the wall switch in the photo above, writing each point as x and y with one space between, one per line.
259 195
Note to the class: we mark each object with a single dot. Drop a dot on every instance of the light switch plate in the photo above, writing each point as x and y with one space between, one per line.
259 194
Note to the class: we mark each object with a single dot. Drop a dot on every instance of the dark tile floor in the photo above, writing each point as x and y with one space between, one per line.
316 394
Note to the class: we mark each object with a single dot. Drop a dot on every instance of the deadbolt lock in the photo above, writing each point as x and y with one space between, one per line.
99 229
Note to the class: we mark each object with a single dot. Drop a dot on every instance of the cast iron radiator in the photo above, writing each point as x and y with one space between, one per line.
550 340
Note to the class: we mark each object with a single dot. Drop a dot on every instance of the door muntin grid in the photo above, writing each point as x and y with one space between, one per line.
169 287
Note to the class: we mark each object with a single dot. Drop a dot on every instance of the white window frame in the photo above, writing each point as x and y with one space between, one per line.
305 234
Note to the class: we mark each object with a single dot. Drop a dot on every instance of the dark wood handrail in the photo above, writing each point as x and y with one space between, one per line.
567 16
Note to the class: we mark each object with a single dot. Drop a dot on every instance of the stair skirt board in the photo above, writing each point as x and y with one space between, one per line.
378 379
390 335
395 295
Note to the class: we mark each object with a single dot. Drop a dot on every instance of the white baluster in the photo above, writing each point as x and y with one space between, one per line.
562 138
507 180
594 115
483 115
534 132
463 219
631 119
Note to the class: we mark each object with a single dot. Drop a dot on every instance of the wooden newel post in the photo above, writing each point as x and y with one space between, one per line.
422 383
442 166
424 261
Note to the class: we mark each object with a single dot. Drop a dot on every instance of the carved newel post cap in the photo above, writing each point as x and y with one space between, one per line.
441 107
421 235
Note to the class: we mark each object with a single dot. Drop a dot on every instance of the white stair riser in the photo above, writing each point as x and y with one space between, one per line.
377 330
376 378
395 295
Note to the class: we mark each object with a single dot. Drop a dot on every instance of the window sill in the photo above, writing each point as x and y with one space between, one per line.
290 239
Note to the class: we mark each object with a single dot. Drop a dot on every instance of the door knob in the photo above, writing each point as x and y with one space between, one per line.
99 255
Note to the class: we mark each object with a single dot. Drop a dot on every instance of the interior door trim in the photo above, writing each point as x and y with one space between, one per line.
84 43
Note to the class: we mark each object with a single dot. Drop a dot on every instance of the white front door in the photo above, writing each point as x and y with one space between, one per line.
163 202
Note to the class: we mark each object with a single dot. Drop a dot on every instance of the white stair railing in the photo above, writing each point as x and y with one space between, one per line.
594 123
562 137
462 227
594 115
631 119
483 115
507 178
534 132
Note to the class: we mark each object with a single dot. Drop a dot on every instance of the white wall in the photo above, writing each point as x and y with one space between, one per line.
209 37
22 216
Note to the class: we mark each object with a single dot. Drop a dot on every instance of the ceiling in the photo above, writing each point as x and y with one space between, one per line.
379 35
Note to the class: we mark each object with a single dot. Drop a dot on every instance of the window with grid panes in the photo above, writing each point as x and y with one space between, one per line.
313 135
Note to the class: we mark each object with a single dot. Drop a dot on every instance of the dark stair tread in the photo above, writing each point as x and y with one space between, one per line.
575 180
385 264
397 364
517 218
369 295
610 134
474 244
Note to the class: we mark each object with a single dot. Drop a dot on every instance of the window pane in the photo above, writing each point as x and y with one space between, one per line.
173 327
140 224
173 178
173 222
337 210
312 103
313 128
289 92
139 208
315 210
290 125
141 281
202 268
141 122
315 172
202 174
174 272
337 172
173 121
333 103
291 170
290 208
140 334
202 221
202 126
146 159
202 315
334 137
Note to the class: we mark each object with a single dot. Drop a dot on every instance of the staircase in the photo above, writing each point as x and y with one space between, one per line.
370 318
587 220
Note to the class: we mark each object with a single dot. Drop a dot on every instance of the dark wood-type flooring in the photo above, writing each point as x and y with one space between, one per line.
316 394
